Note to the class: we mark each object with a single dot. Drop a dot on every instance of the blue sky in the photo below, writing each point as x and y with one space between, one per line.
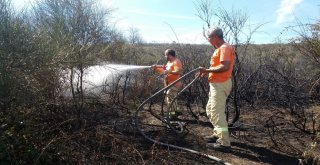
175 20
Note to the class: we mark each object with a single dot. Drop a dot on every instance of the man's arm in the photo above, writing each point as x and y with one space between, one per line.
224 66
158 68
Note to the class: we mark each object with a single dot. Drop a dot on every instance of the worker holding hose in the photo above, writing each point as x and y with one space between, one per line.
220 71
171 71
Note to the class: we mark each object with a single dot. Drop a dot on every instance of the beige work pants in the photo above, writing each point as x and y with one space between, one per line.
170 95
216 110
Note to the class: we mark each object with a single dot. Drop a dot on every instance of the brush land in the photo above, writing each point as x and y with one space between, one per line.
278 123
273 110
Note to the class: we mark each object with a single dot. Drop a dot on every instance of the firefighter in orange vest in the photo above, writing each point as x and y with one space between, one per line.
220 71
171 71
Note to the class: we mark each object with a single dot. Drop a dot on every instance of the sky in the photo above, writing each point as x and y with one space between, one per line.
167 21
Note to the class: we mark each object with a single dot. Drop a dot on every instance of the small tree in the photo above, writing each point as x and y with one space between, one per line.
308 44
74 32
135 50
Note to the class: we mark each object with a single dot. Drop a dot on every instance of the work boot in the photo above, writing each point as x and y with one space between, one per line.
218 147
211 138
178 113
174 115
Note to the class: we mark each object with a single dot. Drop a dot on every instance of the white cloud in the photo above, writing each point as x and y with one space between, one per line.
165 34
23 4
193 37
141 12
108 3
286 8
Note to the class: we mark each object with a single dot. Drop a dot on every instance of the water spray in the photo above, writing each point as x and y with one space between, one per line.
121 67
97 77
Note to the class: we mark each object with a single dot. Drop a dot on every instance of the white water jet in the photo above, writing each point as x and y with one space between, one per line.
97 78
121 67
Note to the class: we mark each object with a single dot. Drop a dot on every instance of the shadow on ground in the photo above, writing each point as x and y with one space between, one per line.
261 154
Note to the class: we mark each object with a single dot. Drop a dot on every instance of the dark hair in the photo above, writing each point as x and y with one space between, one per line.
171 52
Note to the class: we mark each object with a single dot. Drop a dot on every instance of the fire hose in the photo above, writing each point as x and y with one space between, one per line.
170 124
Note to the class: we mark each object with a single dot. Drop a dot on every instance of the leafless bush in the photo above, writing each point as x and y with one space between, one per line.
73 32
307 43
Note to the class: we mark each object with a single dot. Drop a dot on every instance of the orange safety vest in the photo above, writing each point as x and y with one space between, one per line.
171 66
224 53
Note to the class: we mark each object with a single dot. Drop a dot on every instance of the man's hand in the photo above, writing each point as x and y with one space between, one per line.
166 72
202 71
154 66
